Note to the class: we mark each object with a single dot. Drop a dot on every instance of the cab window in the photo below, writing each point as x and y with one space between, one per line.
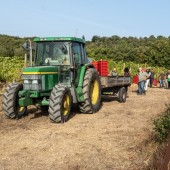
76 49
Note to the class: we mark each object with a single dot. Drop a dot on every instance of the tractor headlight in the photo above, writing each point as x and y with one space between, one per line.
26 82
34 81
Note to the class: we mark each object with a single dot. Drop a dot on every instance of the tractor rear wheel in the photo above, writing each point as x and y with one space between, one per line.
60 104
10 101
91 92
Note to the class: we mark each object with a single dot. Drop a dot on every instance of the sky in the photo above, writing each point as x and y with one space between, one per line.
61 18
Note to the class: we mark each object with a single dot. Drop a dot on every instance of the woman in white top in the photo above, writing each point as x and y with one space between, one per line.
148 79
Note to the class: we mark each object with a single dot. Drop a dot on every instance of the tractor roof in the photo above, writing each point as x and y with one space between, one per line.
59 39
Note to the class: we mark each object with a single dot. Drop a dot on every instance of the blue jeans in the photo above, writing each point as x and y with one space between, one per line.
141 86
161 83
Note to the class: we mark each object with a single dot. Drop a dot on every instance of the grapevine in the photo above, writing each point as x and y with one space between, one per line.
134 67
11 69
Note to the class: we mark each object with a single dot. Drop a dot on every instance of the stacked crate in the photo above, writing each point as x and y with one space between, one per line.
102 67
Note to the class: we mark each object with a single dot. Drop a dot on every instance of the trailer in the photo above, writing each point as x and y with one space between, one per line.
112 85
115 85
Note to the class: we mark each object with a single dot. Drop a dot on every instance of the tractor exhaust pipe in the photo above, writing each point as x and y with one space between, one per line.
27 46
30 49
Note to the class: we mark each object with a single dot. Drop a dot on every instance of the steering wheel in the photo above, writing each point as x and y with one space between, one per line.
47 60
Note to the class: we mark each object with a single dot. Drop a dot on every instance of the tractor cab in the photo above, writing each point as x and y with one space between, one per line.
67 55
57 60
59 51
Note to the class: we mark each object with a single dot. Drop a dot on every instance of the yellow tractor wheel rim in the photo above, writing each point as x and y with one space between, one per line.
66 105
94 92
20 109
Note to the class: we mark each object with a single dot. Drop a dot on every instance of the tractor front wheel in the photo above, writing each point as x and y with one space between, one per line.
91 91
10 104
60 104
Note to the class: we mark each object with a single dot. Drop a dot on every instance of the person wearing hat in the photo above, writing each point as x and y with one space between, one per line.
113 72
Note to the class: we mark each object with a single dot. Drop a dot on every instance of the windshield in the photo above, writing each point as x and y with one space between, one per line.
52 53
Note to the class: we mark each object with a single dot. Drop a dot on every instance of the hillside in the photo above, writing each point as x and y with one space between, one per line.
154 51
11 45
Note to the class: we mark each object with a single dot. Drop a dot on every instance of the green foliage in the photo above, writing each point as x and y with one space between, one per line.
149 52
152 51
162 125
11 68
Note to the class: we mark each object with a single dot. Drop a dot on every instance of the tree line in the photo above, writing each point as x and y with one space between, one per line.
154 51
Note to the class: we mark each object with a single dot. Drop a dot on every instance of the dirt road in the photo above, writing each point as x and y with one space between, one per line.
119 136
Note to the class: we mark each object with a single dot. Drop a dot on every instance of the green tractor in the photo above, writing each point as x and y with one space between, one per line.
60 77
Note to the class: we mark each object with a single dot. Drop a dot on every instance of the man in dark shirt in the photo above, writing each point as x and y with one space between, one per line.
151 77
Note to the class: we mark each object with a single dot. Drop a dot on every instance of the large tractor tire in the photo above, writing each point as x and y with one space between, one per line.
91 92
60 104
10 102
122 94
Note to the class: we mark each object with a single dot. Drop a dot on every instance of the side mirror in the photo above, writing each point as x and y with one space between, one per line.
25 46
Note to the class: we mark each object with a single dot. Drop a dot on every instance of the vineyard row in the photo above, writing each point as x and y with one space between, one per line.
11 68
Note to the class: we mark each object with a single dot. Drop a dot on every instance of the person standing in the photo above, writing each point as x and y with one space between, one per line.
162 79
141 83
148 79
168 78
127 73
152 77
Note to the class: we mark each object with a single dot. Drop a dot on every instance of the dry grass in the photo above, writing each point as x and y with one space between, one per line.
119 136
